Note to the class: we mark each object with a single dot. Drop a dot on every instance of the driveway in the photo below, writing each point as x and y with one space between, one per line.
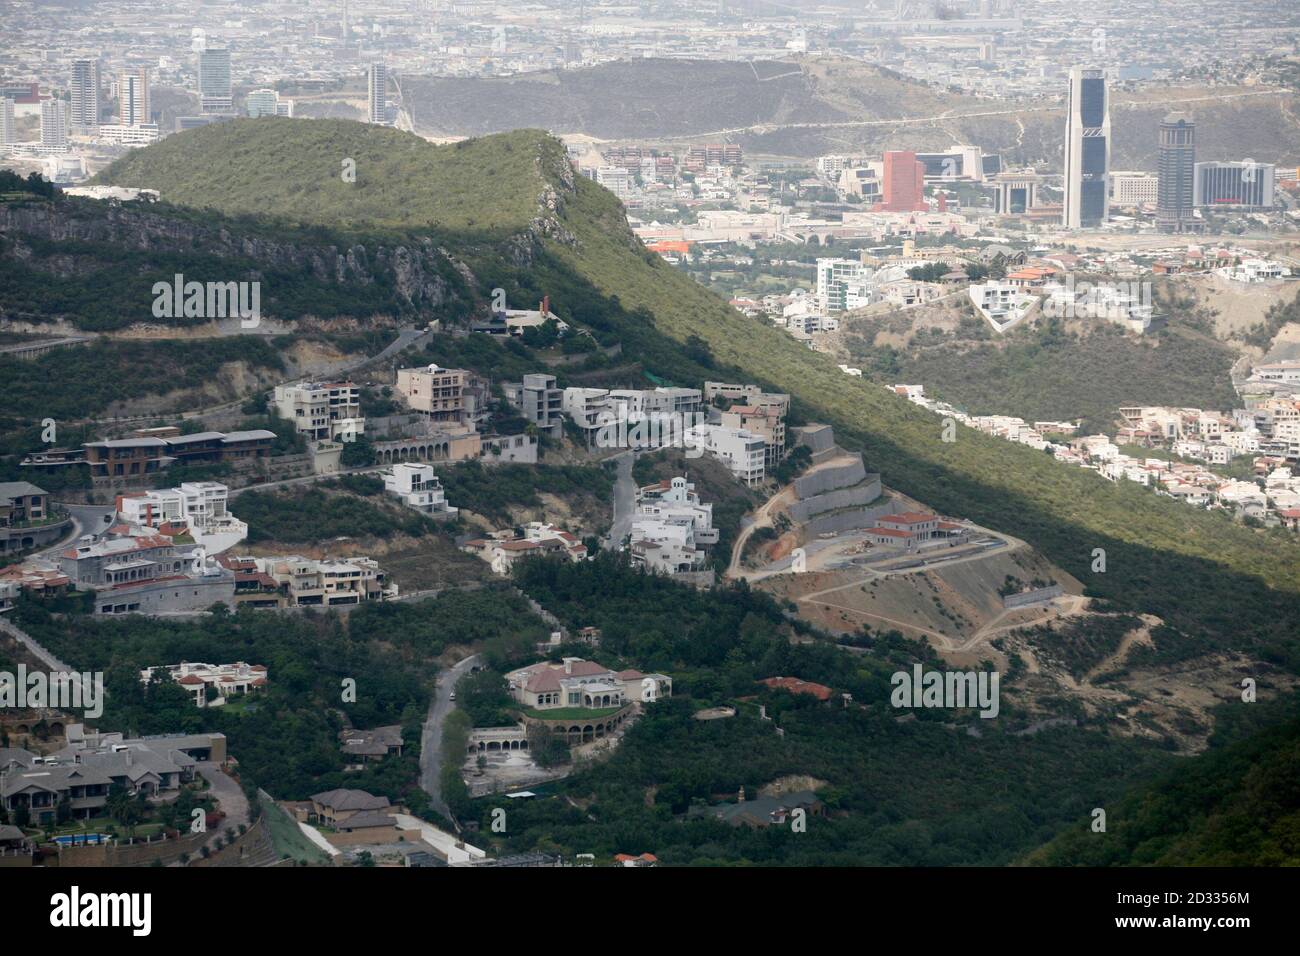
229 796
624 502
431 738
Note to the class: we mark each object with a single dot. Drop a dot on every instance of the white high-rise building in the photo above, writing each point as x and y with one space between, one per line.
133 97
215 94
54 124
8 134
262 103
85 94
378 91
1087 149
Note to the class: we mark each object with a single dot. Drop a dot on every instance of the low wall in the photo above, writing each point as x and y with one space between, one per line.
1025 598
14 540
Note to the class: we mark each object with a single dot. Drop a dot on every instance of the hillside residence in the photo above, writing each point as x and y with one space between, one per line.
146 571
439 393
295 581
912 531
22 503
416 486
36 578
1255 270
575 682
502 548
200 506
117 461
634 418
1002 304
366 746
321 410
670 527
336 807
211 685
82 772
796 686
538 400
743 452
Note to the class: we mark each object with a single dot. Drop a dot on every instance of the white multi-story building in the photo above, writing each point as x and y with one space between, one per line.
616 179
1002 304
8 133
118 135
54 125
322 410
1128 188
419 488
843 284
202 506
743 452
377 93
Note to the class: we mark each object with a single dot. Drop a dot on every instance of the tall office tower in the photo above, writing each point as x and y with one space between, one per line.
1177 168
54 124
215 95
85 94
904 183
8 134
1087 149
133 97
378 93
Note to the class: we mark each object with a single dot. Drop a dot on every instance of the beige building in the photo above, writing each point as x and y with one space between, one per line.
435 391
322 410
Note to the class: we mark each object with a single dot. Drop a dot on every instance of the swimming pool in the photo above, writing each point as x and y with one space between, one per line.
82 839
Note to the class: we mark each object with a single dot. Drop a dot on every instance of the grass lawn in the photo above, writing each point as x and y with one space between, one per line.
576 714
287 837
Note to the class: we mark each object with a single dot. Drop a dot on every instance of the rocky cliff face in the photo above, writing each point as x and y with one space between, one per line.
424 276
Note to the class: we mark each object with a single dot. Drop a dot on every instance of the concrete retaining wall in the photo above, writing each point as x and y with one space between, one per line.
829 479
816 437
1032 597
863 494
853 520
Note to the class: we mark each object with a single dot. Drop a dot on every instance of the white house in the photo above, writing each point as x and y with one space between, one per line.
419 488
202 506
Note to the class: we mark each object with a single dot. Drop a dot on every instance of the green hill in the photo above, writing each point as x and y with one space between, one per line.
1236 805
512 210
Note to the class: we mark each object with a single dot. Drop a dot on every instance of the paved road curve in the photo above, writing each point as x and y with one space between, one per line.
431 739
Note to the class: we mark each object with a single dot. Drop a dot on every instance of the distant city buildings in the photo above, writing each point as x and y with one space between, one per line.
267 103
1235 184
1087 149
1175 201
133 98
377 93
54 125
215 89
84 94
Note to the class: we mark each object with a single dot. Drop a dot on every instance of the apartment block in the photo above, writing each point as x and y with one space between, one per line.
321 410
538 400
437 392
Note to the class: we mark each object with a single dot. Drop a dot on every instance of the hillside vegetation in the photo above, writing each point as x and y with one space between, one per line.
569 238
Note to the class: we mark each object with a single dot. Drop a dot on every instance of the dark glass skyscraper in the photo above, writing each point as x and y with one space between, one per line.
1087 149
1177 167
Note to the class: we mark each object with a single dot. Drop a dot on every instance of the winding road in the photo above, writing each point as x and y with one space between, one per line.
431 738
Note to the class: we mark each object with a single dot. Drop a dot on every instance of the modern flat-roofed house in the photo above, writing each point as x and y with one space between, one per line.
419 488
